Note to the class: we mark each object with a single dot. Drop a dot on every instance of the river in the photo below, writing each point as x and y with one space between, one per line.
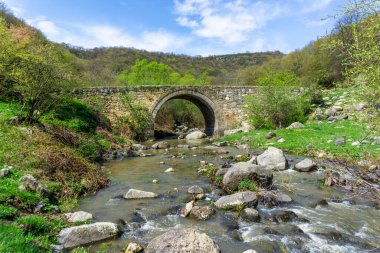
343 225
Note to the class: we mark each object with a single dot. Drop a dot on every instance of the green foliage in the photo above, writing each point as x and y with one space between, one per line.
246 185
76 115
357 39
276 107
314 138
154 73
179 111
138 123
13 240
8 212
35 224
36 70
278 78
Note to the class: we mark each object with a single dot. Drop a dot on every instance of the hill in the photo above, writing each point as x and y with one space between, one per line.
100 66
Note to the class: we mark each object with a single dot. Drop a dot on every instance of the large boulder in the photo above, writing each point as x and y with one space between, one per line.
30 183
78 216
185 240
240 199
272 159
247 170
72 237
195 135
305 165
137 194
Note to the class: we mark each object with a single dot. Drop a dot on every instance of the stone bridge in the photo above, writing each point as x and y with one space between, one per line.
221 106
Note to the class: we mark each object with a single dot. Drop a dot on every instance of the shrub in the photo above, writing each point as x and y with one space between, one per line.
276 107
246 184
76 115
35 224
13 238
8 212
76 175
138 123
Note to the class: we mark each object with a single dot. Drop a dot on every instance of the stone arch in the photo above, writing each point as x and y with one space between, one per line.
206 106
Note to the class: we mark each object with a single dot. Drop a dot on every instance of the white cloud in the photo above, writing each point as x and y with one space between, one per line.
48 27
228 21
16 8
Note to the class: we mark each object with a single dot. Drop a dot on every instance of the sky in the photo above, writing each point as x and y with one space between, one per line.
191 27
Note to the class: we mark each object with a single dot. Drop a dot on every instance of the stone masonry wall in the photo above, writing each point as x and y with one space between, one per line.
228 101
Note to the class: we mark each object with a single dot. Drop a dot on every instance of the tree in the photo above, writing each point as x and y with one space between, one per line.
154 73
33 68
358 43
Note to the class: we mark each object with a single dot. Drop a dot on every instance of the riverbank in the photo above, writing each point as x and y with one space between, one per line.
45 169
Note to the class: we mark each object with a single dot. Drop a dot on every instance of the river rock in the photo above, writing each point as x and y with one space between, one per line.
137 194
330 112
232 131
29 183
250 251
250 214
221 171
202 212
221 144
271 199
305 165
4 172
185 240
270 135
72 237
188 207
169 170
246 170
283 216
160 145
133 248
340 141
195 135
79 216
360 106
195 189
139 146
240 199
295 125
272 159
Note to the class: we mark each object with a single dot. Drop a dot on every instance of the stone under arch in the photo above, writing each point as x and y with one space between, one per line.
206 106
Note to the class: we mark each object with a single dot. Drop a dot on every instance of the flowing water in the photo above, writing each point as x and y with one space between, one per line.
344 225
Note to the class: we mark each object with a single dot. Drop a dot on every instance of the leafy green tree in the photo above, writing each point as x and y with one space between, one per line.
154 73
36 70
280 78
358 43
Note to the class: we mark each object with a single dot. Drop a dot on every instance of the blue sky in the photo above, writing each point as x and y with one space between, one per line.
192 27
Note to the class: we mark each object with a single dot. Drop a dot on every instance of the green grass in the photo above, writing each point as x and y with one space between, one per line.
8 212
317 137
246 185
13 240
9 109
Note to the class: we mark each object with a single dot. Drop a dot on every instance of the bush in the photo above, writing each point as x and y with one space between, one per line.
14 240
246 184
76 115
8 212
276 107
35 224
138 123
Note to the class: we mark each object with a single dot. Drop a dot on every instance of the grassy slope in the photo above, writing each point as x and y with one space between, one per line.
316 138
29 150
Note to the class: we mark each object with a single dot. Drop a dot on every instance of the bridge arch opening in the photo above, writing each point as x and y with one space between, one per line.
205 105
